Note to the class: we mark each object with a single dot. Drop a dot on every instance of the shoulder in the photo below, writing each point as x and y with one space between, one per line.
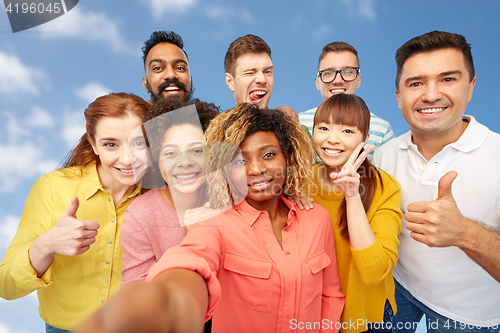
389 182
61 178
151 204
315 215
390 147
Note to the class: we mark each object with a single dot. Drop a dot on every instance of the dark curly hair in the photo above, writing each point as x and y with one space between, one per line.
158 37
161 118
234 126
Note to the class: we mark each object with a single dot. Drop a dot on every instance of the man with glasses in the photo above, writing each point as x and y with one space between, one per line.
338 73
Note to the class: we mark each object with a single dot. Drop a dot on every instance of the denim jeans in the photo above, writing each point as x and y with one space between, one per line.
52 329
411 310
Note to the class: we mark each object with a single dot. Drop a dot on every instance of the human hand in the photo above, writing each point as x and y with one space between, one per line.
437 223
289 112
348 178
71 236
195 215
302 202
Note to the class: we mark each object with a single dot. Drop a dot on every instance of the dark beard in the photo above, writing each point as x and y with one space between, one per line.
156 97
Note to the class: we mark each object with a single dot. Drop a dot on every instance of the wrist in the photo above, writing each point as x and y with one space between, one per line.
467 239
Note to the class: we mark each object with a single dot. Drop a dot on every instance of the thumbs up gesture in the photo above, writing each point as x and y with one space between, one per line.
71 236
437 223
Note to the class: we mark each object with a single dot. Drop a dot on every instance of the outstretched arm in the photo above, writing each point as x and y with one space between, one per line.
440 223
175 301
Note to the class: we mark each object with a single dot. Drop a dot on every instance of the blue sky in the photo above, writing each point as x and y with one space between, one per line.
49 74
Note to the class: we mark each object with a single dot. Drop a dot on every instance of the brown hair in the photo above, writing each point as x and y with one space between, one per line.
245 44
351 110
115 105
234 126
337 47
161 119
431 41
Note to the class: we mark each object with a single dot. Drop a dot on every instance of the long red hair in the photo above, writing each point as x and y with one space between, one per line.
115 105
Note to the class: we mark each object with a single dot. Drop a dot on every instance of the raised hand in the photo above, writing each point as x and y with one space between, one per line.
348 178
195 215
289 112
70 237
437 223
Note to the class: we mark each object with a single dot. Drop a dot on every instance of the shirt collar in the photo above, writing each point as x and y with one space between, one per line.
471 139
92 183
251 214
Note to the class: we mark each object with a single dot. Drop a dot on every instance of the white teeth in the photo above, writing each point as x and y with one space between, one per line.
184 177
171 88
336 91
431 110
260 92
332 151
260 184
126 171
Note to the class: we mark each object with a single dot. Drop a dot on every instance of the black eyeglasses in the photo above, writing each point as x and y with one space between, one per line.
347 74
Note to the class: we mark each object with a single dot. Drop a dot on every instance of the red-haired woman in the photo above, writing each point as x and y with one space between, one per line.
71 254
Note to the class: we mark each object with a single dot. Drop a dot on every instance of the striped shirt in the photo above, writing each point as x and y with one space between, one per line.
380 129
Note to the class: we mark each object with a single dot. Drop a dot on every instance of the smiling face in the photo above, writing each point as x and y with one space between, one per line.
167 73
338 60
252 81
335 143
434 89
265 167
120 148
181 158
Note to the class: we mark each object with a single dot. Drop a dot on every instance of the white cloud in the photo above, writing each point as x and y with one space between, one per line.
17 77
91 91
73 128
322 31
8 228
4 328
226 12
39 118
89 26
158 7
366 9
22 161
362 8
13 129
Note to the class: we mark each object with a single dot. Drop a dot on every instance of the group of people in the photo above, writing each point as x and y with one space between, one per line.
182 218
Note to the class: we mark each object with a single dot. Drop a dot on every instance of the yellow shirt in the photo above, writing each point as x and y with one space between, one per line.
365 274
72 287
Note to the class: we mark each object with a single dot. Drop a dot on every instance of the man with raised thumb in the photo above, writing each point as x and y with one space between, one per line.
447 165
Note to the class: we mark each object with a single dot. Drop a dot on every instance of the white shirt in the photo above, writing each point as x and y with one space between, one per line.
446 279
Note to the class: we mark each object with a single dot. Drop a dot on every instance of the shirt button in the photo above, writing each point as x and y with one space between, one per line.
106 280
102 301
112 220
288 253
110 242
423 162
107 262
109 199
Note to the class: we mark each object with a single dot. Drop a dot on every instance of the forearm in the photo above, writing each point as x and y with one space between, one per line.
481 245
360 233
176 301
40 255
